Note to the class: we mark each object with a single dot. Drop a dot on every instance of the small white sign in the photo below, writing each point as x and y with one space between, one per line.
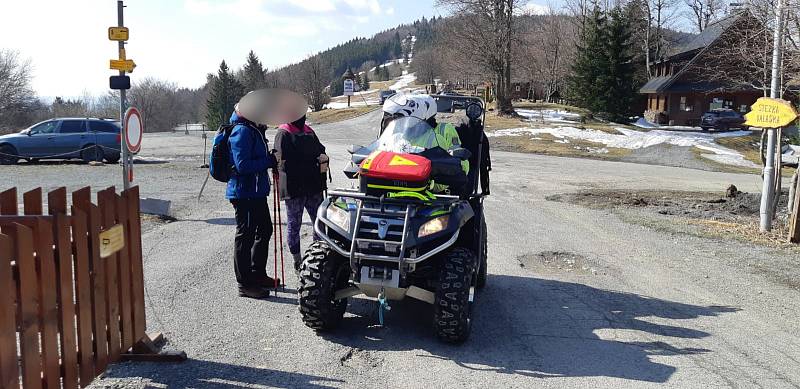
349 87
134 128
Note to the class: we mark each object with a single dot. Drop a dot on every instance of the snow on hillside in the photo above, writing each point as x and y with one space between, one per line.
404 81
631 139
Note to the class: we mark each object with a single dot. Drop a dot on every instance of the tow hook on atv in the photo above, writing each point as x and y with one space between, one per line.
382 304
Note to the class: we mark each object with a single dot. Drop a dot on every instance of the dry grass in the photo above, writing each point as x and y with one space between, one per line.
749 147
337 115
746 231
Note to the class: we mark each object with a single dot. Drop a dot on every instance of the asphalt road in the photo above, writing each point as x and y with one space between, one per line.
639 308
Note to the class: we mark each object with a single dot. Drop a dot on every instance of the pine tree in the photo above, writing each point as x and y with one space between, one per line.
225 93
590 63
619 78
386 76
253 74
358 81
365 81
603 71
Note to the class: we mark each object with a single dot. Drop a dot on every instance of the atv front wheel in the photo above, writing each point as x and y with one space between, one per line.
452 310
322 273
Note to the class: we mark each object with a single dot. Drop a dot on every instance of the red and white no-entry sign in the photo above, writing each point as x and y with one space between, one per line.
134 128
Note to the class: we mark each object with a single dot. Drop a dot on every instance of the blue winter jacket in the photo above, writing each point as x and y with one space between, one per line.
251 160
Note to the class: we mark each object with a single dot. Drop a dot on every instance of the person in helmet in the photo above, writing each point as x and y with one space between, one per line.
423 107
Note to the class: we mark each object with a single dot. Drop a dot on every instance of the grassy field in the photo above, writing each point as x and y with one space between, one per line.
337 115
497 122
548 144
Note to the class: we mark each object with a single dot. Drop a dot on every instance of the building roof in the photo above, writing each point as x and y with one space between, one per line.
711 33
697 46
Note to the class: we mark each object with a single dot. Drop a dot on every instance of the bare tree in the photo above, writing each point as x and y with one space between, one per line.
702 12
16 94
547 50
484 34
656 16
742 57
427 65
156 99
313 81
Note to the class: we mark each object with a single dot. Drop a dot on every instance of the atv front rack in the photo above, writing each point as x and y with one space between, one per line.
370 220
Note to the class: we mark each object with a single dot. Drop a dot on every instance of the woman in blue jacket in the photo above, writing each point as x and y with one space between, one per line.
248 191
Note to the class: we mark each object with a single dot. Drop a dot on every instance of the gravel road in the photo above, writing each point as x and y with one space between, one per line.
576 297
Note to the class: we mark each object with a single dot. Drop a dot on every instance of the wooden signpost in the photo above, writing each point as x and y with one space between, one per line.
776 113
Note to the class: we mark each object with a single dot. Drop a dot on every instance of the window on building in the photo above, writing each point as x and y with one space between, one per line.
518 89
744 108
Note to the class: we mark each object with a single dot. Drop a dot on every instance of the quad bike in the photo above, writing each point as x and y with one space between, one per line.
392 238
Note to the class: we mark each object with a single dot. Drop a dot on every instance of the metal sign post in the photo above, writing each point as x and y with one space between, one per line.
768 190
120 34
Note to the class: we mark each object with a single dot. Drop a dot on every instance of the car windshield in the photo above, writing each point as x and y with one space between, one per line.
407 135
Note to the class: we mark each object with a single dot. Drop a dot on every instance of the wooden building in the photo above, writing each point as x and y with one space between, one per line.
678 93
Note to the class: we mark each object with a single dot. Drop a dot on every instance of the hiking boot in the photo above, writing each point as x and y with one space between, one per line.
267 282
253 292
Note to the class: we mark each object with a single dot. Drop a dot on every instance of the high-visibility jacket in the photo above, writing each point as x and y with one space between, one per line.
444 135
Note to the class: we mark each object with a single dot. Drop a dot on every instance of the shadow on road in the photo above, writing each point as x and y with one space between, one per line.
207 374
543 328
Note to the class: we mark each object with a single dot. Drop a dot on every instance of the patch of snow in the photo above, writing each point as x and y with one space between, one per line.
404 81
631 139
550 115
353 103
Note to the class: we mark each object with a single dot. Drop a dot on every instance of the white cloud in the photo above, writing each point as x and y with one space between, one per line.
314 5
390 11
371 5
532 8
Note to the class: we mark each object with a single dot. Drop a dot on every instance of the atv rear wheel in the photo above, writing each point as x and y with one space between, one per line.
322 273
483 261
452 306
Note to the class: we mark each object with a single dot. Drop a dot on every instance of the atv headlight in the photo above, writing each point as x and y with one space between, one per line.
433 226
338 216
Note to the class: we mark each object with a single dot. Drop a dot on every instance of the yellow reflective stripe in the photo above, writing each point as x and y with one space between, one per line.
398 188
408 194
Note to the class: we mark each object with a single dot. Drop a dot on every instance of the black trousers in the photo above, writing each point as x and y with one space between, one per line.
251 247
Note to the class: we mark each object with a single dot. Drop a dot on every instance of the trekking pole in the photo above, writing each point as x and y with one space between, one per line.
280 228
275 226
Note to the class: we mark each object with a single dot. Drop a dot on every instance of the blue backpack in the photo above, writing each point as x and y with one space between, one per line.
220 165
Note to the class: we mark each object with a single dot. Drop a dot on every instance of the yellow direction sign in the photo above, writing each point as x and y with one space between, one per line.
770 113
126 65
112 240
118 33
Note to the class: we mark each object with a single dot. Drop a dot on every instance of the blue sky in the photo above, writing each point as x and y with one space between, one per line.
183 40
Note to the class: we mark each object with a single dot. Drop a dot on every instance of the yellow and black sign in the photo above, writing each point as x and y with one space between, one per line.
118 33
770 113
126 65
112 240
400 161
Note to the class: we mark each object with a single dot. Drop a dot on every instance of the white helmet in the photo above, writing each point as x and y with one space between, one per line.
419 106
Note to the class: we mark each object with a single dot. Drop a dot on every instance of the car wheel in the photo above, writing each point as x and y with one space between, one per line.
112 159
92 153
8 155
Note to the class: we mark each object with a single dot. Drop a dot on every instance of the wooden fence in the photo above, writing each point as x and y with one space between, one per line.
65 312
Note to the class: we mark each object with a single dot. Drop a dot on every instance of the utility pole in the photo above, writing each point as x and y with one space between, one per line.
127 159
768 190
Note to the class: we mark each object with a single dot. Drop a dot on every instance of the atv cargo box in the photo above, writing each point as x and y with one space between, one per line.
386 171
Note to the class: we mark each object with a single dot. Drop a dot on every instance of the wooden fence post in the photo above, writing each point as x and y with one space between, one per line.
794 223
9 371
28 307
46 271
106 202
57 207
